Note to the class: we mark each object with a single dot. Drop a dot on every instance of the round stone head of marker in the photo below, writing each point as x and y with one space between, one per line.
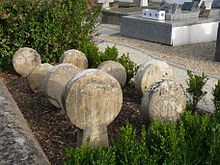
92 100
36 77
24 60
115 69
164 100
55 81
150 72
75 57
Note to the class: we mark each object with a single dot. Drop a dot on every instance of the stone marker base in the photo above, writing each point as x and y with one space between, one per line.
170 32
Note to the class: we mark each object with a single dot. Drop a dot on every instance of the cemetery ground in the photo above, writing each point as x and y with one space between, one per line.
52 127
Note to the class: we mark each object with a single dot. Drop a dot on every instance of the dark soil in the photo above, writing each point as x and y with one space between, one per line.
52 127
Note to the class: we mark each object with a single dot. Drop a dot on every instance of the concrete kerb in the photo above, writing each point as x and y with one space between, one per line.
17 143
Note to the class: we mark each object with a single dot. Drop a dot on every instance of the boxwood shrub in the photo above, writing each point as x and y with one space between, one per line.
50 27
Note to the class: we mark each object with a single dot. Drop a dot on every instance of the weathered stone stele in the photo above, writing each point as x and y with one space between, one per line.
92 100
75 57
115 69
55 81
164 100
25 59
150 72
36 77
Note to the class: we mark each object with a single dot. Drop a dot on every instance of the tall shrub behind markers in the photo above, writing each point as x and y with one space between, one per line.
50 27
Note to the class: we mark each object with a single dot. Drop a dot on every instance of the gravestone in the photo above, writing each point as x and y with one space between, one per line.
174 8
105 3
203 11
75 57
115 69
165 6
206 4
217 49
187 6
216 4
150 72
55 81
24 60
37 75
144 3
92 100
164 100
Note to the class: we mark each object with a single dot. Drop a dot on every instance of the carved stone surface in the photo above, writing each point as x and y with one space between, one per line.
36 77
150 72
115 69
164 100
17 143
92 100
56 80
24 60
75 57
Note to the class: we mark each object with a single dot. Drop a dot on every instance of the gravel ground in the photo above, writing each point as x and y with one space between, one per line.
198 57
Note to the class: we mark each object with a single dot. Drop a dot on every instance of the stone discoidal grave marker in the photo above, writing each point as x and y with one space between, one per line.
36 77
115 69
150 72
164 100
25 59
55 81
92 100
75 57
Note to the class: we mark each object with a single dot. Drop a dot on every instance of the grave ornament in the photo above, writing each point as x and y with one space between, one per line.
75 57
165 6
174 8
115 69
187 6
37 75
55 81
164 100
203 11
92 100
150 72
105 3
25 59
216 4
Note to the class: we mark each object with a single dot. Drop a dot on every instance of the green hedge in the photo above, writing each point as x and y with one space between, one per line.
50 27
96 57
195 139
